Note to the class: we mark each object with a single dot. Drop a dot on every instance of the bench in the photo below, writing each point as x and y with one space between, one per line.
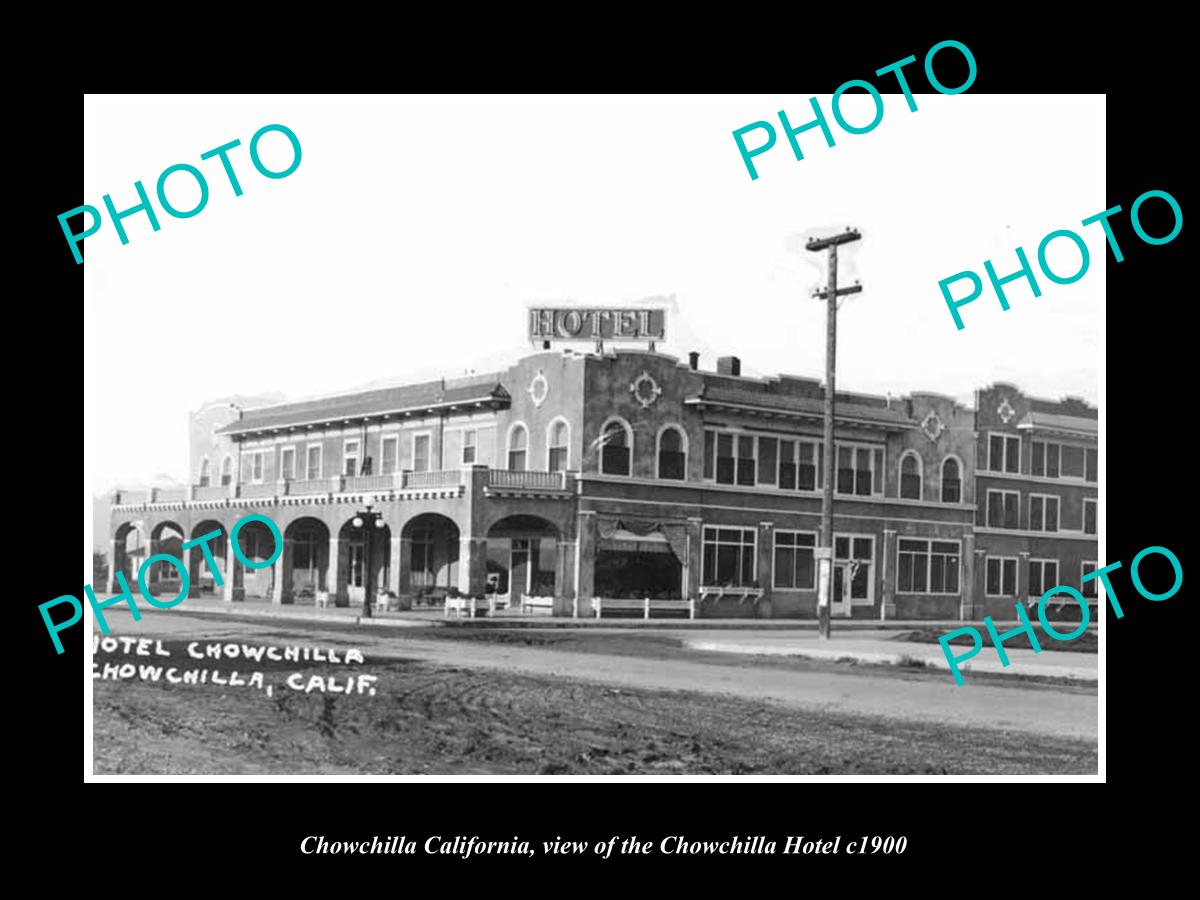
537 605
1059 602
645 606
468 605
722 591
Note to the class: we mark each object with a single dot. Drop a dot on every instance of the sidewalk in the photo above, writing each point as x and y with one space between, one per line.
345 615
876 647
434 616
870 641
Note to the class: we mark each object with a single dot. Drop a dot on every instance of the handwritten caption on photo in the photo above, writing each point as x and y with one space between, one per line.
187 671
125 595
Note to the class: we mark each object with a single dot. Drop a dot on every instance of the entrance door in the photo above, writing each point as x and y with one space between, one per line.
354 573
518 572
841 591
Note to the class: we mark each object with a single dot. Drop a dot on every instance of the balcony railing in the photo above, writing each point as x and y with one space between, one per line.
313 486
371 482
336 484
263 489
444 479
539 481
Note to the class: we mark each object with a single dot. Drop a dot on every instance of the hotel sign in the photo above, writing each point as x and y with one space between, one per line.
581 324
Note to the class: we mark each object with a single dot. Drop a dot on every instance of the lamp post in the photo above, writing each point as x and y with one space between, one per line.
830 294
368 520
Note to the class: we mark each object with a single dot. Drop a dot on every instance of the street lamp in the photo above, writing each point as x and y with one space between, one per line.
368 519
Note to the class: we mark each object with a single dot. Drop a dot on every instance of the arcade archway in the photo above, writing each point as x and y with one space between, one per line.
522 559
429 556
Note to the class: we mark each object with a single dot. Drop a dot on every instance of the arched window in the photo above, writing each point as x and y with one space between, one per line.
557 438
910 476
227 470
518 446
951 480
672 453
616 444
204 472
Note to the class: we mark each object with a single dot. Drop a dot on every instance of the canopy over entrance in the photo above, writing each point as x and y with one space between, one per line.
637 559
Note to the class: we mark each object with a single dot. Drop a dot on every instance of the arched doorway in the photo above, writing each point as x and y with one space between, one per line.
306 560
129 548
353 559
203 581
257 545
165 537
429 554
522 559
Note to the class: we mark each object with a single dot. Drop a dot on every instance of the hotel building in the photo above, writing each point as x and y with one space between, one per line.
630 474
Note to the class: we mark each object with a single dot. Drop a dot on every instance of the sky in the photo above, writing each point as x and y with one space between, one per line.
416 231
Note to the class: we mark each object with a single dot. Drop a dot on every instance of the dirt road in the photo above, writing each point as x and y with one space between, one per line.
1027 708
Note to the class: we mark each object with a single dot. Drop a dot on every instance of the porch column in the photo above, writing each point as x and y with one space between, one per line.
978 586
693 565
339 568
585 568
402 559
472 566
766 546
1022 581
234 590
281 591
117 563
195 566
396 565
151 578
332 573
966 581
888 566
564 578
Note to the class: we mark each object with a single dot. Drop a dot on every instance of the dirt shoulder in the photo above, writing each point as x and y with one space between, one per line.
1088 642
442 719
1052 711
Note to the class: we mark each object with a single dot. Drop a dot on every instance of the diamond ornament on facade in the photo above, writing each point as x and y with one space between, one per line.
1005 411
645 389
539 388
933 426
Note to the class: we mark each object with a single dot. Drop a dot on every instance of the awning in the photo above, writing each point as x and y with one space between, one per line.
623 540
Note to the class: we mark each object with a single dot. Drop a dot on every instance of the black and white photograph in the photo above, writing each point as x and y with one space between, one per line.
544 435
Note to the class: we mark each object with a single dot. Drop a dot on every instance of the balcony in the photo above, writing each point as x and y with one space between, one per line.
506 479
420 480
370 482
313 486
402 485
261 489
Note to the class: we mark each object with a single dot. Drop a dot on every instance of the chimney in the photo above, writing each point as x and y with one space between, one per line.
729 365
693 360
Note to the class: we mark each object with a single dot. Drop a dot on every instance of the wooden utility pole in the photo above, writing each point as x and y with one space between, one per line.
825 570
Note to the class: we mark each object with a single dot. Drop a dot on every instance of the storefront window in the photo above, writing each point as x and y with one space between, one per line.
729 556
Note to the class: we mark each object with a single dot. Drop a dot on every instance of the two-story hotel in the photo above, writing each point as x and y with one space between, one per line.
631 474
